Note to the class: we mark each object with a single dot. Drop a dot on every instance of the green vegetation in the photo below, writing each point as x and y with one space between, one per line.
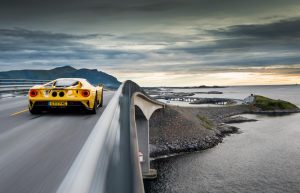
267 104
206 122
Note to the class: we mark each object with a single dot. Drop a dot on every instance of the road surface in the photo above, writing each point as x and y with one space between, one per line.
36 151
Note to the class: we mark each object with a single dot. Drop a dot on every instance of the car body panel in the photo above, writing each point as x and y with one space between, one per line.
72 95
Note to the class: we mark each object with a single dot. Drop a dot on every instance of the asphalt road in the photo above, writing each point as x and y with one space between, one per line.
36 151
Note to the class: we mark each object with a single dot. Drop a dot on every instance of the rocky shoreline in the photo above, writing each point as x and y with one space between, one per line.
189 129
276 112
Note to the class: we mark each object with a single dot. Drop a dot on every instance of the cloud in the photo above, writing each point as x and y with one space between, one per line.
20 42
283 29
275 43
41 35
136 6
152 37
235 48
151 52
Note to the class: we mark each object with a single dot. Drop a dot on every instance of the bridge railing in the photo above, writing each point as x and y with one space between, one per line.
14 87
108 161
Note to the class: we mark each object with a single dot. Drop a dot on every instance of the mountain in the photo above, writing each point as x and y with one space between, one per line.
92 75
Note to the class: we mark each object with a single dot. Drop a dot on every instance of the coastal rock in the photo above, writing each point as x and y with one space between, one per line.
227 129
238 119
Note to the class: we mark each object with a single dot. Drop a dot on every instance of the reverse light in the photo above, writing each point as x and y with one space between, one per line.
33 93
85 93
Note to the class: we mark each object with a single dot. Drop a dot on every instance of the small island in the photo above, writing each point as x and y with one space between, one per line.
266 105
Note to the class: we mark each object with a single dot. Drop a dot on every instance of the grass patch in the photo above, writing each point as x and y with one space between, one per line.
266 104
208 124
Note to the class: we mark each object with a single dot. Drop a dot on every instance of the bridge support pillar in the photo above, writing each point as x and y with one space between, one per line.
143 110
142 125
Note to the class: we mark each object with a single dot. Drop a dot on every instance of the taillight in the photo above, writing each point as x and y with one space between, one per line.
33 93
85 93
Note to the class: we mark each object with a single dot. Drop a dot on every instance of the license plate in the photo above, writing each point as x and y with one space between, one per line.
58 103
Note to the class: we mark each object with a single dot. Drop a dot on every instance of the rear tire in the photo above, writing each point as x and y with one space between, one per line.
94 109
34 110
101 103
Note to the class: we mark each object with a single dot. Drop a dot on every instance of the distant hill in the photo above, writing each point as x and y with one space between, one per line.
92 75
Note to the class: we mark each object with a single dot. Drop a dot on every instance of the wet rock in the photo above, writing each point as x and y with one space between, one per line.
227 129
238 119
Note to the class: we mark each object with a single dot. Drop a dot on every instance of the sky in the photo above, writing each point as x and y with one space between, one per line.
157 42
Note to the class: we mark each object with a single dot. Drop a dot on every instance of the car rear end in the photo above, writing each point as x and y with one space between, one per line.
43 99
53 97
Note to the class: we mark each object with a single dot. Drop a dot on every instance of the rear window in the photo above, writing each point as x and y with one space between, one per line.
65 83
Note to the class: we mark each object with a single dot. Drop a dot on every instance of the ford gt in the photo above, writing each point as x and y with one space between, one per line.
65 93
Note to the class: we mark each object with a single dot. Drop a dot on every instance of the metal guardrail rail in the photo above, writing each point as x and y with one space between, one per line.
108 161
12 87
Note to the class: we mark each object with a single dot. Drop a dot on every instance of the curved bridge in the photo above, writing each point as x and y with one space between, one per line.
109 160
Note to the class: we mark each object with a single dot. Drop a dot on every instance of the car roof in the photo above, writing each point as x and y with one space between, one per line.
82 80
79 79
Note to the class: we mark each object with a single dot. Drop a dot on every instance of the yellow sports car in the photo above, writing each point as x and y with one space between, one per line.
65 93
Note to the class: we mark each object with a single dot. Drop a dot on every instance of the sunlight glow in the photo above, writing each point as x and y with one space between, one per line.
224 79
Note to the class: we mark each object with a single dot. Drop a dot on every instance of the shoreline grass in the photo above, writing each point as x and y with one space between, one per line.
267 104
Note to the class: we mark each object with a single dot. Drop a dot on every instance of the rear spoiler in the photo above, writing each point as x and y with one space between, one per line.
58 89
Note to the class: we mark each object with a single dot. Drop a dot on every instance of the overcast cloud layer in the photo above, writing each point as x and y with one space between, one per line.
168 42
